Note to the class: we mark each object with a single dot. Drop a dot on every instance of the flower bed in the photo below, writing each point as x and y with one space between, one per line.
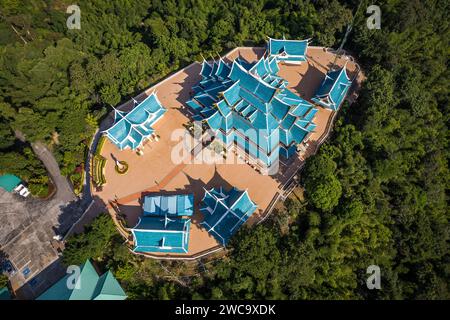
123 169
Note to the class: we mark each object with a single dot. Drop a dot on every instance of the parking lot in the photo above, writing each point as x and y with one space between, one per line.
27 228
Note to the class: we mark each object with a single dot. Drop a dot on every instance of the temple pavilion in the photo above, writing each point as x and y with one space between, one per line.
130 129
249 108
165 224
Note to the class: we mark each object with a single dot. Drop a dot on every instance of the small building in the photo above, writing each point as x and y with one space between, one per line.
172 205
9 182
225 212
162 227
5 294
88 286
161 234
288 51
12 183
130 129
333 89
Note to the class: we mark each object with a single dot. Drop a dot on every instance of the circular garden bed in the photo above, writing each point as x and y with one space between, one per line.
122 168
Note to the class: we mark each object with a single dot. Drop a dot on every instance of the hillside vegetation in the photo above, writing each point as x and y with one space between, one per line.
376 193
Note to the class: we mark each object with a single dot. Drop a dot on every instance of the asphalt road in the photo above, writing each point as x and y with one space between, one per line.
64 190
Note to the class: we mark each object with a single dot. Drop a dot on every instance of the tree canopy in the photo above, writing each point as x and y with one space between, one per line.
376 193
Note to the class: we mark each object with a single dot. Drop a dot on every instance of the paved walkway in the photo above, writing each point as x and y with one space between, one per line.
164 182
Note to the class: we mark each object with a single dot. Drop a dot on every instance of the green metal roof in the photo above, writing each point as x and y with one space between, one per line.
108 288
9 182
90 285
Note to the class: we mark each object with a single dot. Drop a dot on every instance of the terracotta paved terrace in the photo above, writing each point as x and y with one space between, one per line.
155 171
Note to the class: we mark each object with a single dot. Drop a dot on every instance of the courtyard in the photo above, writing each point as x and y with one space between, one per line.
156 171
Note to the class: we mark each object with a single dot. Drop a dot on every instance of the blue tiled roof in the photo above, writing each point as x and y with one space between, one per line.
88 286
161 228
9 182
130 129
161 234
172 205
206 69
4 294
225 211
223 70
333 89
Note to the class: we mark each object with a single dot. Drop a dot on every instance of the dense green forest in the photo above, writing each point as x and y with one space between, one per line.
56 83
376 193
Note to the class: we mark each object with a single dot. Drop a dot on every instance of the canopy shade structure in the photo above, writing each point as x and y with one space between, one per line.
249 105
161 234
173 205
288 51
333 89
131 128
88 286
9 182
225 211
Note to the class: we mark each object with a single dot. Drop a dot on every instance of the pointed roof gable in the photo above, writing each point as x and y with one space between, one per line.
333 89
9 182
89 286
225 211
206 69
294 48
172 205
86 283
160 228
108 288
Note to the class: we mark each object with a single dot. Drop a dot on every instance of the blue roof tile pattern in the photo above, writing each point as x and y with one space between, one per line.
254 98
172 205
161 227
225 211
131 128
